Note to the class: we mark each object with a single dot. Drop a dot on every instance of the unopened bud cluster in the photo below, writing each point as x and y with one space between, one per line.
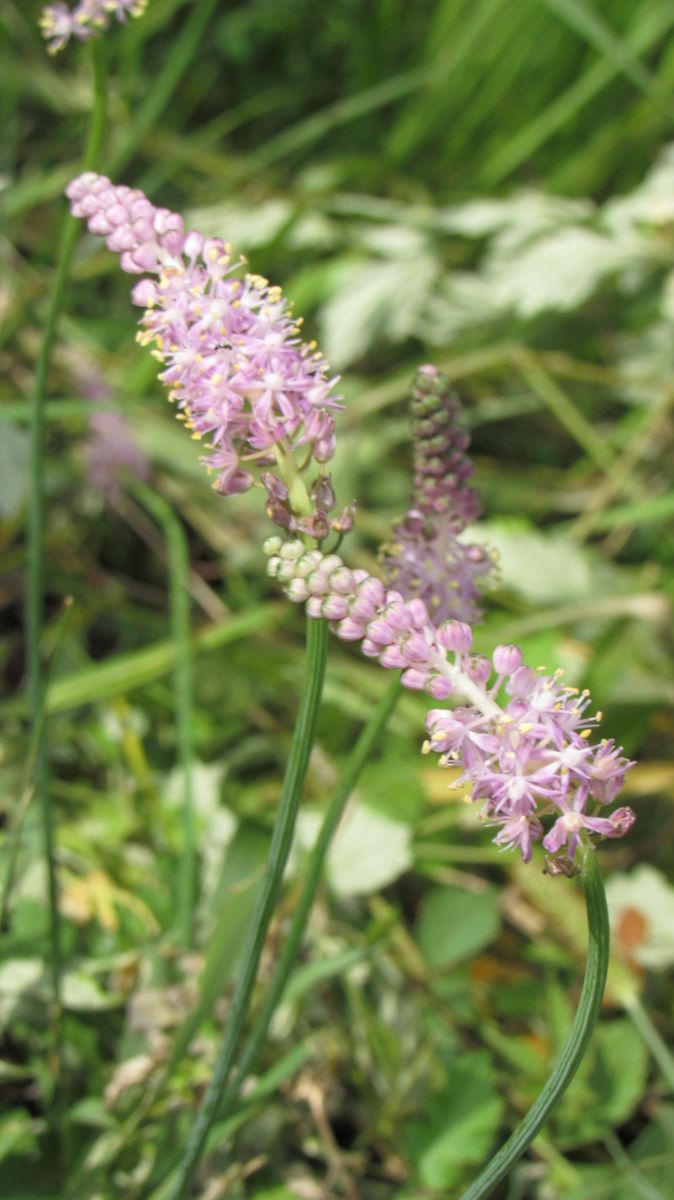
427 559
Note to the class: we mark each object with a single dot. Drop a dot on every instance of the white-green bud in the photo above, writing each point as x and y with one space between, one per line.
272 545
286 571
297 590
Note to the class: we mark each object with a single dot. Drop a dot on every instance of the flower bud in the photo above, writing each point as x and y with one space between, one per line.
507 659
455 636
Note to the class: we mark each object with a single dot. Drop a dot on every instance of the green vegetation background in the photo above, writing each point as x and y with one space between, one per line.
474 182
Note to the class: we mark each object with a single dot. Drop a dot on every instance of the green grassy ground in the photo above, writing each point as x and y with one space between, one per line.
483 185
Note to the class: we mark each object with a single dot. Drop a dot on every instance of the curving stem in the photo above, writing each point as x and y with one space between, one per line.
574 1050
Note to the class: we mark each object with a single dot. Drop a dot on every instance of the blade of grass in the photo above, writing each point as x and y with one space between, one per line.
13 841
185 46
659 1049
652 426
312 869
311 875
178 564
518 149
35 548
304 133
581 17
368 739
124 672
629 1171
562 407
642 512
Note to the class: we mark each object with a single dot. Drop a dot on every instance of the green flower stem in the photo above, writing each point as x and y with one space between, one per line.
311 873
317 632
35 536
574 1050
179 604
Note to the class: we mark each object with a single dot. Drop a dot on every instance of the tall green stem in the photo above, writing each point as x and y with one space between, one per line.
36 522
311 872
178 564
574 1050
278 856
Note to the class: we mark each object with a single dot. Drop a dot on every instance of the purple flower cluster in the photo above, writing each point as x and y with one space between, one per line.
521 738
87 19
231 351
427 560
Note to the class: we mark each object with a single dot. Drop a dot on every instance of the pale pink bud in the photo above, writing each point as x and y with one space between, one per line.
317 585
438 687
297 591
455 636
393 657
372 590
350 631
507 659
418 612
380 632
478 668
341 581
361 610
144 293
398 616
334 608
370 649
416 648
413 679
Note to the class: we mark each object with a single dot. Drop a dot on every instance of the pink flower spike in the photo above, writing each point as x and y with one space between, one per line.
230 348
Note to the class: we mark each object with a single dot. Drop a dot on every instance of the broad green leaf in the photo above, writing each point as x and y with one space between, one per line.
455 924
460 1123
608 1087
368 852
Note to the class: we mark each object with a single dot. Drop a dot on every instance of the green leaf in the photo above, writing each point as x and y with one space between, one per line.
368 853
84 994
608 1086
455 924
460 1123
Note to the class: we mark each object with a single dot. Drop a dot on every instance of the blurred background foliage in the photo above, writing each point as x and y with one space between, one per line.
483 184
